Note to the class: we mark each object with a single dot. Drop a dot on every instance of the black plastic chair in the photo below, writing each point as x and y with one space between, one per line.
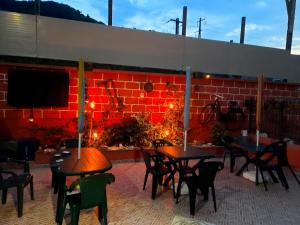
158 171
90 192
10 179
233 151
279 153
204 180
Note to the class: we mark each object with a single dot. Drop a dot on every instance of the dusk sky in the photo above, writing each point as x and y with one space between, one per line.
266 20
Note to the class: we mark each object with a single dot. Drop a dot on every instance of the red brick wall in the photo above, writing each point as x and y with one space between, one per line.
14 121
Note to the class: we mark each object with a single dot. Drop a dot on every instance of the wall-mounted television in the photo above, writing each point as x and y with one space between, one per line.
30 88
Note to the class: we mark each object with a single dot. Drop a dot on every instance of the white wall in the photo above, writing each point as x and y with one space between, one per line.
70 40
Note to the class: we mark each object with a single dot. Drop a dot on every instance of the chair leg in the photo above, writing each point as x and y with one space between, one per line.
214 197
4 196
31 189
192 194
263 177
275 180
20 191
232 163
224 156
75 211
292 171
179 188
145 180
154 185
282 178
102 214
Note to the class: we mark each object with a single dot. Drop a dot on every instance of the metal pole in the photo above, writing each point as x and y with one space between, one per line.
177 26
110 12
200 27
290 6
184 17
242 36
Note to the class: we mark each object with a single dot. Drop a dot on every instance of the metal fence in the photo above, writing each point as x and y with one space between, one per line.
281 118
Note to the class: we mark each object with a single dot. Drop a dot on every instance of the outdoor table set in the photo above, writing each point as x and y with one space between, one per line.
263 157
92 161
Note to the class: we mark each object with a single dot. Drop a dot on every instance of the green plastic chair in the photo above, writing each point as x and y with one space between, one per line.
11 179
92 193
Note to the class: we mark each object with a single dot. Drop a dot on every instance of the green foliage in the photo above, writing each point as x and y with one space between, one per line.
128 132
217 132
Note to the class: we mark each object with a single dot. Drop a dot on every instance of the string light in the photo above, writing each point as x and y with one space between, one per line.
95 135
92 105
207 76
171 106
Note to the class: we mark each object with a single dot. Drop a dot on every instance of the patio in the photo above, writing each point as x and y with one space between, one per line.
239 201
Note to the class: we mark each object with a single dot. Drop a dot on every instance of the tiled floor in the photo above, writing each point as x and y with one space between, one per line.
239 202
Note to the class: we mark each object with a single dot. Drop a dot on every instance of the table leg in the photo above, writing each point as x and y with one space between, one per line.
243 168
60 206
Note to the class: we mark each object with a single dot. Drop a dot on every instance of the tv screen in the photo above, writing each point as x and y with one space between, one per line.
37 88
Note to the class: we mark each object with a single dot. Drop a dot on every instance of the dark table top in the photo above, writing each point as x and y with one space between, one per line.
178 153
91 161
249 144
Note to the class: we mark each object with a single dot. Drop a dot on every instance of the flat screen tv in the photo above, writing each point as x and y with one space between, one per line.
30 88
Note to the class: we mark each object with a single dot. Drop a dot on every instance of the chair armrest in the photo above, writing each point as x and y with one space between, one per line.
9 172
23 162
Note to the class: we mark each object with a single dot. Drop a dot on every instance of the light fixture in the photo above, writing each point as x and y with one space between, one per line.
92 105
31 118
207 76
95 135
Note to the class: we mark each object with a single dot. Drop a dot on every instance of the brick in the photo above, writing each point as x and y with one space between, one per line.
199 103
217 82
3 86
131 100
222 90
211 89
180 80
50 114
145 101
125 77
234 90
244 91
125 93
199 88
157 117
2 96
73 90
202 81
154 78
158 101
162 108
68 114
159 87
151 108
228 83
239 98
119 84
14 114
204 96
73 98
251 84
137 93
110 75
152 94
93 91
131 85
194 95
164 79
240 84
73 82
138 108
73 106
140 78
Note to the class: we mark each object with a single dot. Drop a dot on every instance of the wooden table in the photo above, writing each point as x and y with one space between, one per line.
91 161
177 155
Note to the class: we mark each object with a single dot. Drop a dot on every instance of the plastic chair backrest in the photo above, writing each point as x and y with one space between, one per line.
279 149
71 143
208 171
147 158
93 189
161 142
226 141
